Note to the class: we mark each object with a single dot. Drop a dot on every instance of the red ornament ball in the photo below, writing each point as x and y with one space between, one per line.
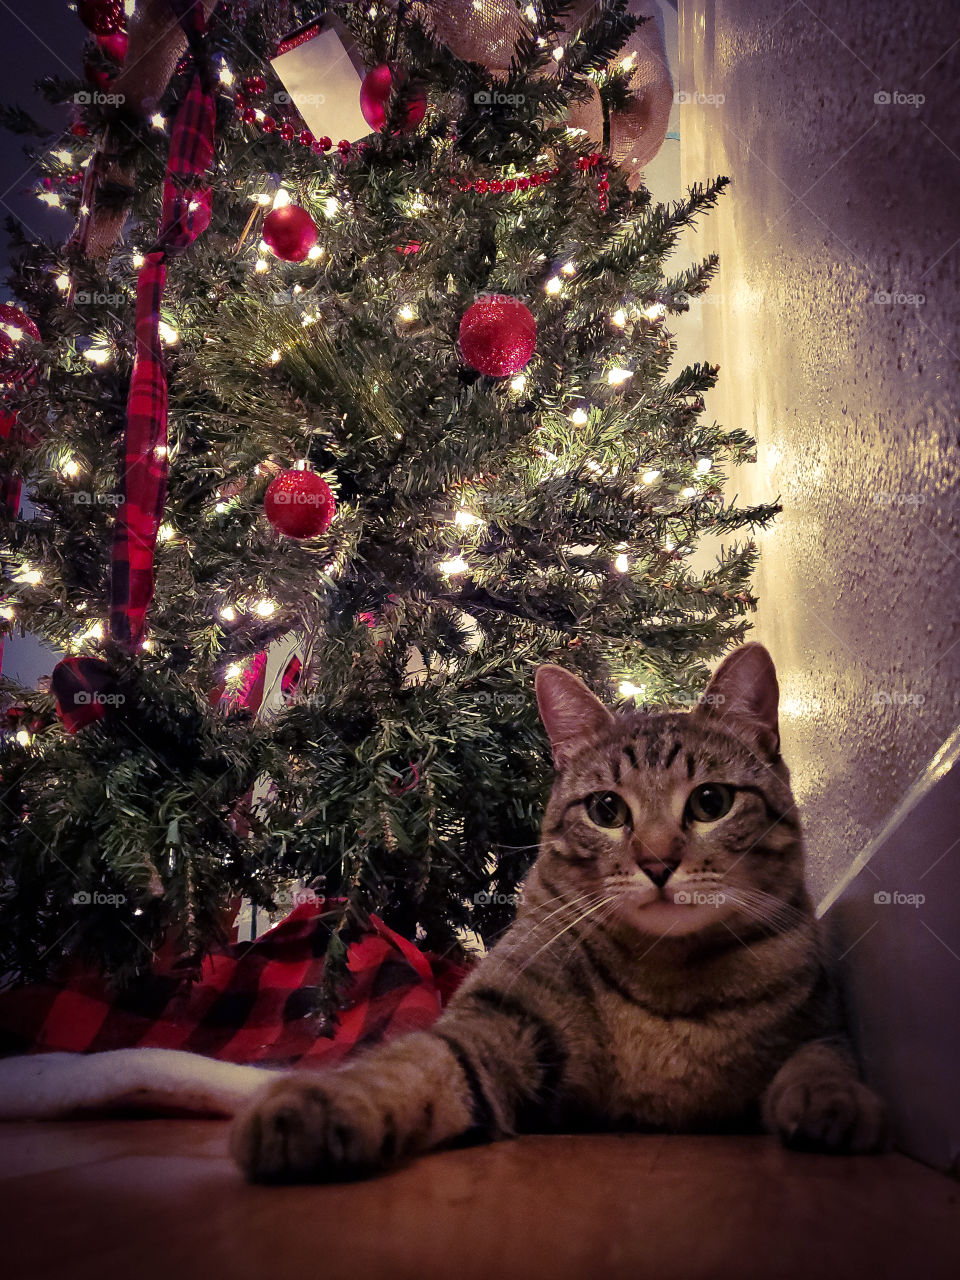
14 325
375 93
114 45
299 504
498 335
290 232
102 17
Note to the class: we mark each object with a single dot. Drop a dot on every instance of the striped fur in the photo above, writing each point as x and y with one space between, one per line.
618 998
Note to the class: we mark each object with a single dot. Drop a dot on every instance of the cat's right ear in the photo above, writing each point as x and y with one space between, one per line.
569 711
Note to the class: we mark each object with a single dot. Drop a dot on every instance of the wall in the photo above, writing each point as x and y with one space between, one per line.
834 322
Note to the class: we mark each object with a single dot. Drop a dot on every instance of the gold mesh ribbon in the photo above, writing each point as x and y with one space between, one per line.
486 31
155 44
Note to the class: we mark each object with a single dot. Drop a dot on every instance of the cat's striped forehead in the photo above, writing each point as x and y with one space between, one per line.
639 744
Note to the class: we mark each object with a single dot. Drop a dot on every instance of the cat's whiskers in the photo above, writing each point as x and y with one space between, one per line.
536 925
764 907
580 917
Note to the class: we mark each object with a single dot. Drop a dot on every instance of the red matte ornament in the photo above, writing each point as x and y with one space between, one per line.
375 93
114 45
498 335
299 504
289 232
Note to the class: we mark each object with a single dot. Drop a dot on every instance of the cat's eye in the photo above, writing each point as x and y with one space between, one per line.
607 809
709 803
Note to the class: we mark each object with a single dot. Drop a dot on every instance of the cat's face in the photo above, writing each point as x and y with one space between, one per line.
673 823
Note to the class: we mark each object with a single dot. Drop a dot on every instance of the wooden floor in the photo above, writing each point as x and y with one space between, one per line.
138 1199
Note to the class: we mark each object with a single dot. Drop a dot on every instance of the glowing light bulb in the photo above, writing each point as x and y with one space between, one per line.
93 632
158 121
228 613
169 336
265 608
466 519
558 53
314 252
616 376
220 508
456 564
138 259
669 545
166 532
32 577
406 312
261 265
648 477
569 268
621 564
98 355
689 492
331 207
274 356
579 417
553 285
62 155
518 383
70 468
7 613
233 671
23 738
619 318
281 198
655 311
148 645
630 690
226 75
629 62
262 198
49 198
62 282
704 465
531 13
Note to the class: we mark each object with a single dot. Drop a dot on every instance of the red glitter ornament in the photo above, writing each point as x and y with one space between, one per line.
14 324
102 17
498 335
299 504
375 93
290 232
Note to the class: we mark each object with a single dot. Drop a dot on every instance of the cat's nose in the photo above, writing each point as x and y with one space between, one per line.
659 872
657 852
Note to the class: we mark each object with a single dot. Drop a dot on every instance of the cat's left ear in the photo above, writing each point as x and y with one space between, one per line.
743 691
569 711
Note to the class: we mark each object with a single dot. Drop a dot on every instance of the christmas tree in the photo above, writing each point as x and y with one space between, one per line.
425 432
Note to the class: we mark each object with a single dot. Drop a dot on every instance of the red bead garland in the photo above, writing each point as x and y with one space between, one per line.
288 129
538 178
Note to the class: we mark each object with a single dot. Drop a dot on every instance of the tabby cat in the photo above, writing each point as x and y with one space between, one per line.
663 972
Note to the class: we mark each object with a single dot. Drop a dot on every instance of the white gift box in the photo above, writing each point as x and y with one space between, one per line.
321 71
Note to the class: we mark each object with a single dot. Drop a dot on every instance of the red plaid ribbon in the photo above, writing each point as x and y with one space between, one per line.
186 214
254 1002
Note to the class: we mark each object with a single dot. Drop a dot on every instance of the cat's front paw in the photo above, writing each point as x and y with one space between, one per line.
833 1113
312 1128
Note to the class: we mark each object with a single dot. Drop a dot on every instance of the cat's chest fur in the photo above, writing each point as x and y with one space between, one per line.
678 1071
